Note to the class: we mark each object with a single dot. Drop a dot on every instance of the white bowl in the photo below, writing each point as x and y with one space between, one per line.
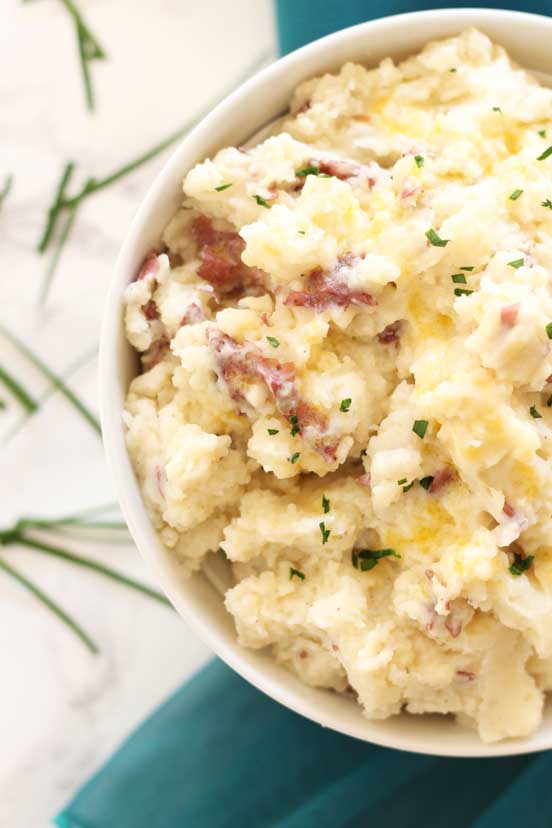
528 39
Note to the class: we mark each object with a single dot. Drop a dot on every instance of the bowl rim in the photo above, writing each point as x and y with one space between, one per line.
109 371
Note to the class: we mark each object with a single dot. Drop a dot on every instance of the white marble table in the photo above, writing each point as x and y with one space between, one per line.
62 710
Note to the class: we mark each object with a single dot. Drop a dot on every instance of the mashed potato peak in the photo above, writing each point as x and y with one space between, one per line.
346 385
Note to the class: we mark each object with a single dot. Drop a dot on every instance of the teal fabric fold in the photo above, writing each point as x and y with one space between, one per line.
301 21
220 754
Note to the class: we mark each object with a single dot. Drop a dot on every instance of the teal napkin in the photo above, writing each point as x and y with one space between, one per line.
300 21
220 754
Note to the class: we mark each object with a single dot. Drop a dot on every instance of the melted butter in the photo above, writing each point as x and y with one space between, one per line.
434 528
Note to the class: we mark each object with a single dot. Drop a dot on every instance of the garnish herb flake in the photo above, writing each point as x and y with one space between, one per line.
325 532
545 154
369 558
262 202
520 564
426 482
273 341
222 187
312 170
345 404
462 292
515 195
547 203
542 133
420 160
273 431
420 428
549 401
407 488
402 481
294 425
496 109
467 268
459 279
296 573
549 330
325 504
516 263
434 238
535 413
295 457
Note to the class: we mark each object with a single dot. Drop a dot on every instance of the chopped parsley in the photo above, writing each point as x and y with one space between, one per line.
401 482
542 133
496 109
354 559
262 202
453 69
434 238
420 160
468 268
547 203
549 330
325 504
534 412
297 573
273 341
295 457
420 428
521 565
515 195
459 279
273 431
222 187
545 154
312 170
325 532
345 404
426 482
549 401
294 425
516 263
369 558
407 488
301 232
462 292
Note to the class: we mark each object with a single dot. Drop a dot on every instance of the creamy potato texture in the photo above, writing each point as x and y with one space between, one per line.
346 385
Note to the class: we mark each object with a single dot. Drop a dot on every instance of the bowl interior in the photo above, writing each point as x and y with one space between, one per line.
198 599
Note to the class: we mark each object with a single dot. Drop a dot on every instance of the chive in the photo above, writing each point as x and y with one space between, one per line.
462 292
52 606
402 481
312 170
547 203
515 195
549 330
16 389
434 239
369 558
407 488
420 428
542 133
549 401
297 573
294 425
301 232
533 411
295 457
520 564
325 532
222 187
345 404
262 202
496 109
545 154
420 160
366 566
516 263
273 341
453 69
459 279
469 269
426 482
354 559
325 504
273 431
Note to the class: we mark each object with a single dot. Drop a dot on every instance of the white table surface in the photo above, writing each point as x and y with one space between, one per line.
62 710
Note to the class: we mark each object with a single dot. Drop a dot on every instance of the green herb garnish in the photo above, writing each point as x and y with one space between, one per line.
547 203
325 504
369 558
407 488
273 431
549 330
262 202
515 195
295 457
294 425
462 292
222 187
549 401
420 160
469 269
297 573
516 263
496 109
402 481
426 482
542 133
434 239
420 428
345 404
534 412
453 69
325 532
545 154
459 279
520 564
312 170
354 559
273 341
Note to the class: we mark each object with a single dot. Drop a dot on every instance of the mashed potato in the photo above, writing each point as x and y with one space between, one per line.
347 385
